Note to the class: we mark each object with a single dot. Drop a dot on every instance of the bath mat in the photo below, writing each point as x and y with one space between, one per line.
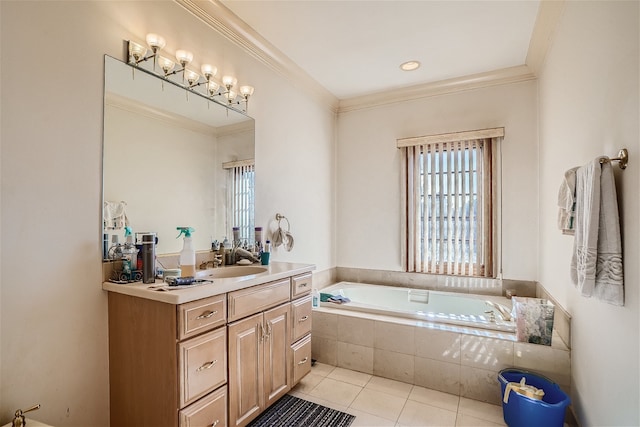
293 411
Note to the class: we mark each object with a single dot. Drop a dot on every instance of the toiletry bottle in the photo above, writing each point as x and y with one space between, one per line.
266 253
129 253
188 254
315 299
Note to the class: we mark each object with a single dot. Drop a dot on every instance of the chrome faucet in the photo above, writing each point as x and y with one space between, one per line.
215 262
504 311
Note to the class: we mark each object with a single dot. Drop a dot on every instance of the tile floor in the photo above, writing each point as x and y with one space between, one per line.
377 401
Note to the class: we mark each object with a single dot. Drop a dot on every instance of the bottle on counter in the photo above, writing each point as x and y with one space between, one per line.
129 252
315 298
188 253
266 253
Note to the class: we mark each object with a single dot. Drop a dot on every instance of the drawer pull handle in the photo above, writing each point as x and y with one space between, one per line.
207 315
207 365
303 361
303 285
215 423
302 319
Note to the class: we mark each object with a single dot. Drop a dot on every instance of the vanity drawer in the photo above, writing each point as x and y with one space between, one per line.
246 302
201 315
300 285
301 359
202 363
301 320
209 411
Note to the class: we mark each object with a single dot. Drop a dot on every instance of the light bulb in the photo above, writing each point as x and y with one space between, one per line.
137 51
184 57
166 64
208 71
212 87
191 76
229 81
155 42
246 91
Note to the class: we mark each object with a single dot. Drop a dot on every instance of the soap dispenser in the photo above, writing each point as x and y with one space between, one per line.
188 254
129 253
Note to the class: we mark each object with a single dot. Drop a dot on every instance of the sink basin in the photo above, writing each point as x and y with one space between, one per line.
228 272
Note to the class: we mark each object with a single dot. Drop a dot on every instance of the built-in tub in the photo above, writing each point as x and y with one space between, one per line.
421 304
438 340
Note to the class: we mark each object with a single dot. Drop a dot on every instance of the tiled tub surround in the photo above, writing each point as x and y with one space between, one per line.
452 359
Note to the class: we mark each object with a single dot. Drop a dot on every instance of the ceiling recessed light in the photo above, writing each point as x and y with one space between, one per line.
410 65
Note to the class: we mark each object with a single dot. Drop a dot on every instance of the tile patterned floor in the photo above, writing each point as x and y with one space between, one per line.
377 401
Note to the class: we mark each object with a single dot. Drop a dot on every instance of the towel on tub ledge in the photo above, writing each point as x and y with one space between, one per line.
336 299
596 265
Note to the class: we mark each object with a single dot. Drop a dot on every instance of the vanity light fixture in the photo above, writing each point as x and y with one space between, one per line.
224 93
410 65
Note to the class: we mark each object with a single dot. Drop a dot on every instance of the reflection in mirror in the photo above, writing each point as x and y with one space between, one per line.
170 155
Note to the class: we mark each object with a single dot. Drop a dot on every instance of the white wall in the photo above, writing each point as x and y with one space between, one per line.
369 182
53 312
589 107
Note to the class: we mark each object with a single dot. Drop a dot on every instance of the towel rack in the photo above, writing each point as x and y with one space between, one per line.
622 159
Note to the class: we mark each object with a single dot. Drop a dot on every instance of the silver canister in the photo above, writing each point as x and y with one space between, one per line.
149 258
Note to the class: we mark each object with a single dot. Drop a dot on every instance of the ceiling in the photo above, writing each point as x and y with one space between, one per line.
355 47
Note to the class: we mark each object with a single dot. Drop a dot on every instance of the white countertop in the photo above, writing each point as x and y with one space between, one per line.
275 271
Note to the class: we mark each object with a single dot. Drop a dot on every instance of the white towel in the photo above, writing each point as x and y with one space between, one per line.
566 202
596 265
114 216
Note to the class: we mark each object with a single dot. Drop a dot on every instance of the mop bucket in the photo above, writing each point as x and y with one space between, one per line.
536 401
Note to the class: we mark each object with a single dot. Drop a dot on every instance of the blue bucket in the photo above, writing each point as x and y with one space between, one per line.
523 411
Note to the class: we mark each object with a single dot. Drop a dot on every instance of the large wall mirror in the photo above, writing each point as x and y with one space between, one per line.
165 154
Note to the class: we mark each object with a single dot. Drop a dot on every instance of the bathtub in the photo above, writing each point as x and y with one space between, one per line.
430 306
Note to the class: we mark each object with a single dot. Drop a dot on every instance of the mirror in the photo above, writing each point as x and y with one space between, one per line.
163 155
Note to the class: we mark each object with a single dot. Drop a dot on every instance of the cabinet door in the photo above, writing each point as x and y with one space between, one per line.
245 369
277 323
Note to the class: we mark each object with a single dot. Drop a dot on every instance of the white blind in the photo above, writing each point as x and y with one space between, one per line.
448 199
240 198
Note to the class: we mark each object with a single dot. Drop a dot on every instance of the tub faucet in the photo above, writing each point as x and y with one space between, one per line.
504 311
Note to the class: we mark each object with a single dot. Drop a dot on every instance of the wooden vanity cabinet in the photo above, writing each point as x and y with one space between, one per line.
167 363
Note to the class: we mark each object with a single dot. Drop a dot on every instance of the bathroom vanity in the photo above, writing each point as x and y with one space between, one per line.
215 354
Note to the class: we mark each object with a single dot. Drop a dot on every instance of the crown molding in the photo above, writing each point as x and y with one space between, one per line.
229 25
502 76
549 14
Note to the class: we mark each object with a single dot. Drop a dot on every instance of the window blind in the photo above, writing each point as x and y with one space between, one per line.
240 197
448 198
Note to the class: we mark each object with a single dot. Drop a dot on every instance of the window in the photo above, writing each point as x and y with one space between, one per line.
241 197
449 196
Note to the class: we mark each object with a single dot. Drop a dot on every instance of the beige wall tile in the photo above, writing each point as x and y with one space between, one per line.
437 375
324 350
356 357
395 366
355 330
324 325
438 345
548 361
486 353
480 384
394 337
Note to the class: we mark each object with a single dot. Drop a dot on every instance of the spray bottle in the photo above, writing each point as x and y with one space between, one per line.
188 254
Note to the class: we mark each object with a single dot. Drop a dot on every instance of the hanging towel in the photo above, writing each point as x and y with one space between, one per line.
609 271
114 216
567 203
596 265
